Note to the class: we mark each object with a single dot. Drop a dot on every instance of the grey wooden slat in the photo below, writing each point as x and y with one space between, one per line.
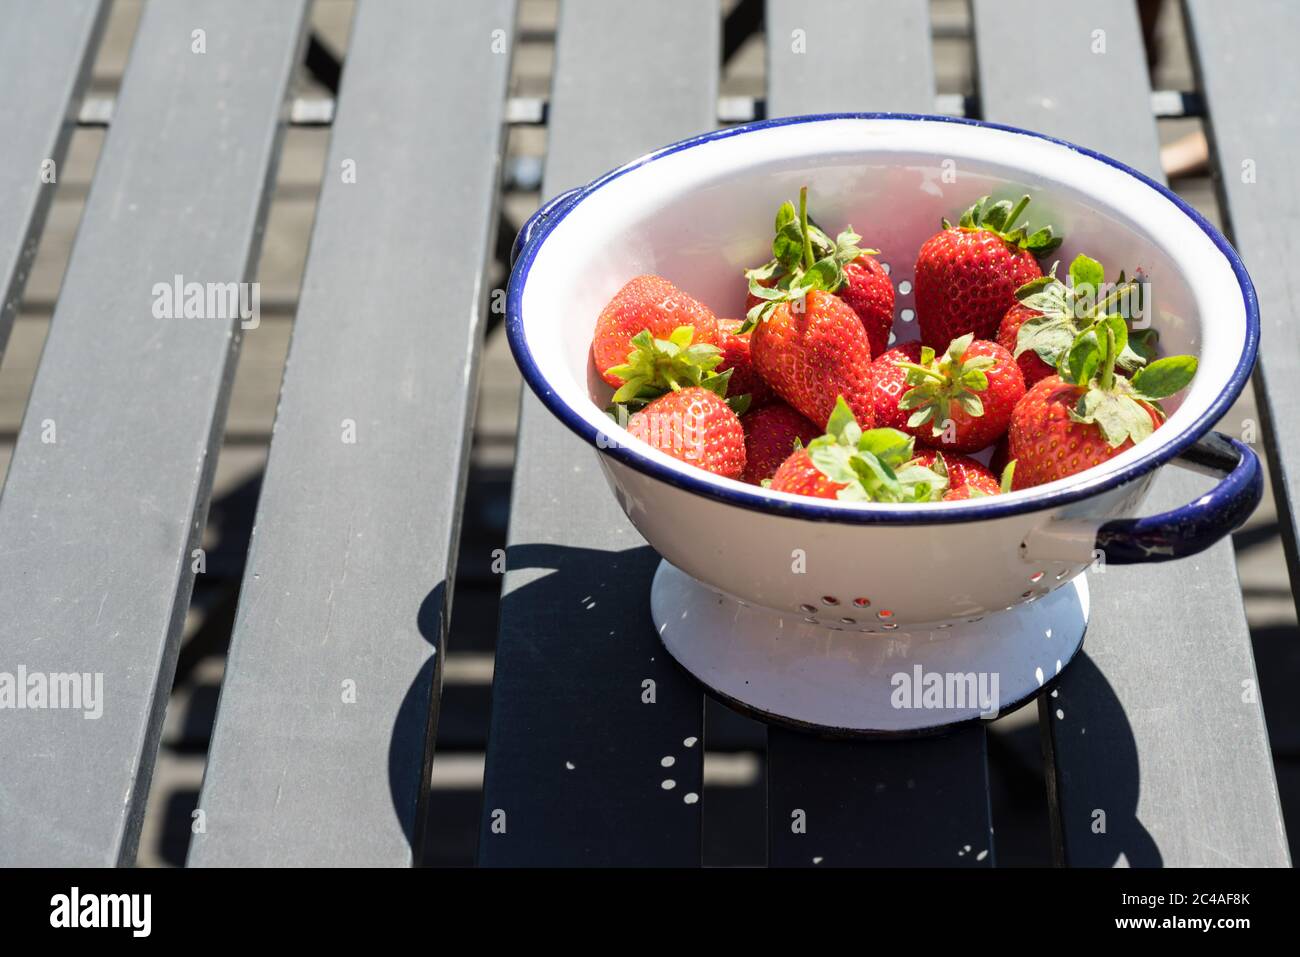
574 756
1248 74
107 491
882 804
1149 725
46 52
923 816
829 56
354 549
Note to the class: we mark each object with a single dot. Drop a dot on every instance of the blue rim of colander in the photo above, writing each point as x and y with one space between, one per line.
757 499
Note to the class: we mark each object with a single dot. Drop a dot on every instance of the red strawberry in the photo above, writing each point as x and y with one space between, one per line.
851 465
1090 413
851 273
808 344
1032 367
969 491
868 289
798 476
745 379
646 302
696 426
959 402
967 275
1048 315
813 354
966 477
1048 444
889 382
770 436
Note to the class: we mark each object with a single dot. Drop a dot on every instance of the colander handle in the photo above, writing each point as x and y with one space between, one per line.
557 203
1194 527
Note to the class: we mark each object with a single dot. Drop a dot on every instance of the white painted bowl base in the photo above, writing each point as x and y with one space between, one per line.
789 671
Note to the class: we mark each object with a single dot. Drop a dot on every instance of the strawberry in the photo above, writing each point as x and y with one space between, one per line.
696 426
1088 412
813 354
771 434
959 402
655 366
807 344
1032 367
646 303
967 478
1048 315
798 476
853 273
967 275
745 379
889 382
855 466
868 289
974 490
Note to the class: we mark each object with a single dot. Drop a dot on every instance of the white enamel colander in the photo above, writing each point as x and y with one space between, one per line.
699 212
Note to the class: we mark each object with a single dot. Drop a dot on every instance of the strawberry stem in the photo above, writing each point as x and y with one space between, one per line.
803 226
1019 208
1114 297
931 373
1108 363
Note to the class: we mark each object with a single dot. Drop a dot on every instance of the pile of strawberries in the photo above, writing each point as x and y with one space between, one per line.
805 395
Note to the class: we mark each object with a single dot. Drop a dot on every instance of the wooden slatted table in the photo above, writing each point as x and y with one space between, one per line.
328 716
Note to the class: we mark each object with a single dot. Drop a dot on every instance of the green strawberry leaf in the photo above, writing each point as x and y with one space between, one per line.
865 462
972 217
1049 336
876 477
841 418
1035 286
1164 377
1080 362
1119 417
919 483
1118 328
834 461
717 383
656 366
1042 241
1144 342
1129 360
889 445
970 404
630 389
787 245
940 465
1008 474
922 416
1085 271
785 215
765 271
1052 300
957 348
825 274
995 216
1001 218
766 293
